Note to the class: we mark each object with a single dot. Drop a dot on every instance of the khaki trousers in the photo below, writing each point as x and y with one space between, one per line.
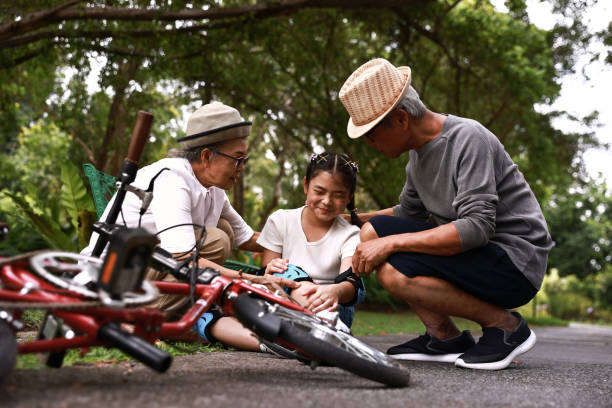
217 247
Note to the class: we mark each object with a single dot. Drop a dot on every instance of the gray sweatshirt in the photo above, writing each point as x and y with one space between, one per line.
466 177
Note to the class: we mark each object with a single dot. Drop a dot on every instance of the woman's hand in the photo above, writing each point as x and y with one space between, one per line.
322 297
268 280
277 265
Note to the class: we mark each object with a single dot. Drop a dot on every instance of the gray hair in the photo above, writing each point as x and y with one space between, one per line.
193 155
412 104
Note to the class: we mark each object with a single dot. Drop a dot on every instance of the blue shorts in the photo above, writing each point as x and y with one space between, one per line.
486 273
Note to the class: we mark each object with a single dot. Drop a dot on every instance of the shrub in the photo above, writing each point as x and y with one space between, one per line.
377 296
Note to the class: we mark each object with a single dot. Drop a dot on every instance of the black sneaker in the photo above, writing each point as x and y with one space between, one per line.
428 348
498 347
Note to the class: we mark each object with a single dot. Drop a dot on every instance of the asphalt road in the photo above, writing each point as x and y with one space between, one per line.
569 367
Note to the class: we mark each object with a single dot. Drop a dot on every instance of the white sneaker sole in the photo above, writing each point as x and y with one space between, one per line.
441 358
500 365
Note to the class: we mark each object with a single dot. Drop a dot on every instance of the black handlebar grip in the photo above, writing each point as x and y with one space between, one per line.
135 346
139 136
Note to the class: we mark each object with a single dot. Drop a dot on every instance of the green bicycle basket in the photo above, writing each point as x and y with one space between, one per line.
102 187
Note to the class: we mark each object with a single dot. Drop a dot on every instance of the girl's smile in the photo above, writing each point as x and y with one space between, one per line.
326 196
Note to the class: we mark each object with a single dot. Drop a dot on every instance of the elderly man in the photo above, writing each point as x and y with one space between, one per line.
188 192
468 237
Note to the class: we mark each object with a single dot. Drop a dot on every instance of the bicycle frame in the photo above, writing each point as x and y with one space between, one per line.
21 285
148 322
96 325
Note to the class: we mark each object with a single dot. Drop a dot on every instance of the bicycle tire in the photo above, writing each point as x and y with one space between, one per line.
8 350
320 340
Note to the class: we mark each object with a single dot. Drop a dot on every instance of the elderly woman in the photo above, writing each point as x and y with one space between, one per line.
188 192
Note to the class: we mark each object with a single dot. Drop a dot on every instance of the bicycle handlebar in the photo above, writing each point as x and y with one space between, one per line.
135 346
139 136
162 260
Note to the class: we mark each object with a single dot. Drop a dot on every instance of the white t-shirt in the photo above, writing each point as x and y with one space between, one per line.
283 233
178 198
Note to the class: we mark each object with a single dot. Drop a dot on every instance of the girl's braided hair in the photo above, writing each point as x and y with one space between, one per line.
337 163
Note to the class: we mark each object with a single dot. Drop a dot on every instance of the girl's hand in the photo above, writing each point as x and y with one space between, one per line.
277 265
322 297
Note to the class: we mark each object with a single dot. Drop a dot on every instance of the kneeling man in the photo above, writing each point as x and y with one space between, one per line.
468 237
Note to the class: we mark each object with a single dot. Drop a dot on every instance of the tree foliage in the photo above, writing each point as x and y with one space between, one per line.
281 63
580 224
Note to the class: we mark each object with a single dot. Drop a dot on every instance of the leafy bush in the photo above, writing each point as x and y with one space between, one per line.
570 306
599 288
377 296
586 299
44 199
61 223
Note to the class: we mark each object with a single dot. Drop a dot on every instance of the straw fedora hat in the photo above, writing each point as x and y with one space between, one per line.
212 123
371 92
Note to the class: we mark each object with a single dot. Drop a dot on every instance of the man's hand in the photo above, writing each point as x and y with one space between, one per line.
370 254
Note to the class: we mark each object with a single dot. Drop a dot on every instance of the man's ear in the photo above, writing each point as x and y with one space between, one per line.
205 156
400 117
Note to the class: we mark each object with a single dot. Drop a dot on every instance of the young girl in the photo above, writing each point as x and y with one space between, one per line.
314 237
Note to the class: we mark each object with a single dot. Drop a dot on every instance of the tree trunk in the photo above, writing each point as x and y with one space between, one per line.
114 144
277 191
238 192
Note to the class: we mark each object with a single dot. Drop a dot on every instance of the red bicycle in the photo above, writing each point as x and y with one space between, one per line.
87 299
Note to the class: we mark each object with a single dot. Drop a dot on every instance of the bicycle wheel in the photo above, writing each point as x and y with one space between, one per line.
8 350
78 273
319 340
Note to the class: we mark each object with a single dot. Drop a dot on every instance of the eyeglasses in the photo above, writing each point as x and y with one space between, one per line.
240 161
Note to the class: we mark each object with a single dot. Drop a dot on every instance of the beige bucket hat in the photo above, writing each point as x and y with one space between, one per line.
371 92
212 123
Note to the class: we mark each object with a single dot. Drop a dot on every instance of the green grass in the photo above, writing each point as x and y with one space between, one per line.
32 319
368 322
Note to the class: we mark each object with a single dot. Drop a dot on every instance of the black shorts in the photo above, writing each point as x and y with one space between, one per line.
486 273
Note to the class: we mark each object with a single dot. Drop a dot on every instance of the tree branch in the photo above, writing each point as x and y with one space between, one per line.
69 12
433 36
34 21
102 34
